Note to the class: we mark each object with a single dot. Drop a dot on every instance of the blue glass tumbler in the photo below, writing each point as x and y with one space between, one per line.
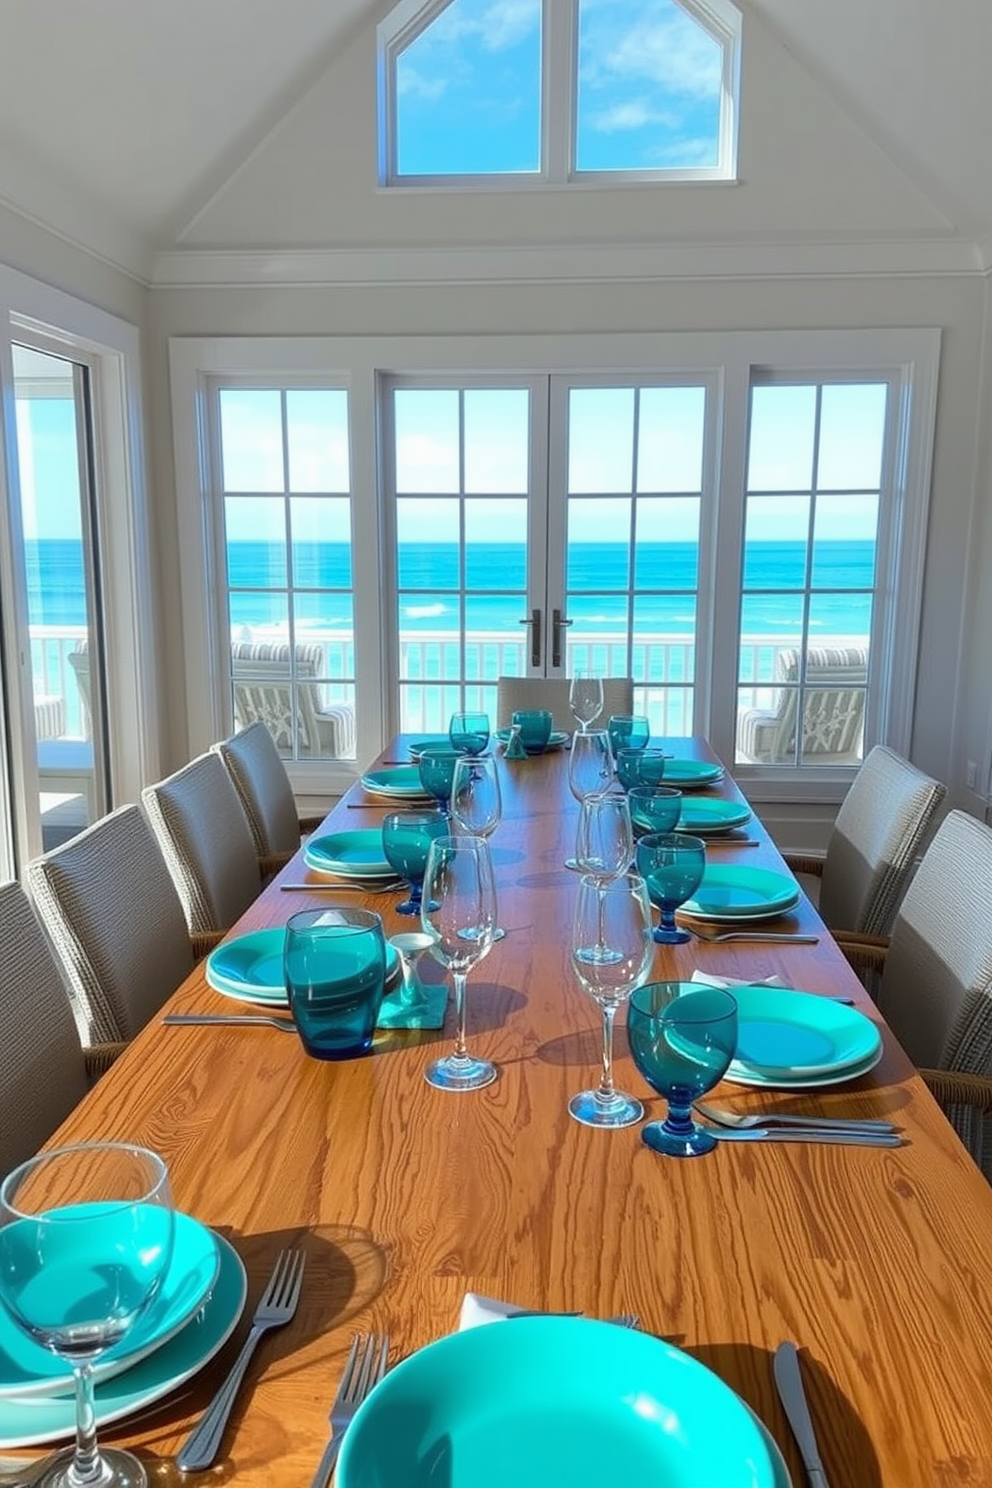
334 965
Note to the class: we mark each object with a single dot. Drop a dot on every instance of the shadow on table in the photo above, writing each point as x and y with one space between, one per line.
572 1049
489 1005
834 1419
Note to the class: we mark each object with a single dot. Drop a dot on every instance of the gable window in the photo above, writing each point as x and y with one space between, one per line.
479 91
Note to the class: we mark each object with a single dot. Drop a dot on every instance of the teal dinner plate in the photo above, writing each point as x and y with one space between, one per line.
26 1369
28 1423
250 969
400 782
553 1401
428 741
785 1032
768 1081
687 774
557 740
730 891
702 815
349 854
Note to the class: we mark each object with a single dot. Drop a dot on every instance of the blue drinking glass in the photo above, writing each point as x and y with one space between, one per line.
654 808
469 732
672 866
406 841
640 766
682 1037
437 769
334 965
535 725
628 731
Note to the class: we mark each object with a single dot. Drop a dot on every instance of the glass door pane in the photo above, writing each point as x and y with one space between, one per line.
59 557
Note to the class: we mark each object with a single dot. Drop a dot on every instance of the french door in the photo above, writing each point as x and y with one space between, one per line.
546 524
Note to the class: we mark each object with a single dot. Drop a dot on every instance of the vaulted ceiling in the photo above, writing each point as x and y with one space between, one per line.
119 121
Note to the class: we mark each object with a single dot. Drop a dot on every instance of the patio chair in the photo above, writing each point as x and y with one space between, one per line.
204 837
935 976
266 794
872 851
44 1071
107 901
513 693
833 710
266 687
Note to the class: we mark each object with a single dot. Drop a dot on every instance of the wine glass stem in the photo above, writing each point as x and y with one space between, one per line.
679 1118
461 1048
86 1463
606 1089
601 933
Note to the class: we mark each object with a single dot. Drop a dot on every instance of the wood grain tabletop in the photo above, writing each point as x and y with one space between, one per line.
877 1263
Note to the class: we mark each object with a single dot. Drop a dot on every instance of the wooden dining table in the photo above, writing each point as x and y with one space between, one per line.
877 1263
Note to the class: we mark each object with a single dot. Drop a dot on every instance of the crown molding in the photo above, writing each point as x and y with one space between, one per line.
64 214
567 263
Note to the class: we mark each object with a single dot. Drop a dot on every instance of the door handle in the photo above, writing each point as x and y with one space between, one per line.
535 636
558 624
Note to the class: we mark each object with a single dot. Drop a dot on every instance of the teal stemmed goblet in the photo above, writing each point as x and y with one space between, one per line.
469 732
406 841
672 865
437 768
628 731
640 766
683 1038
86 1238
654 808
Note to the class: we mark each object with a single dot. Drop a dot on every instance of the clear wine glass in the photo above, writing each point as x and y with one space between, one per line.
619 913
672 864
604 845
477 801
590 768
585 699
86 1239
683 1038
459 913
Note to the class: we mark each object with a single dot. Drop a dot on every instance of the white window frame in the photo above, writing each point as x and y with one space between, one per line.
111 348
911 356
558 103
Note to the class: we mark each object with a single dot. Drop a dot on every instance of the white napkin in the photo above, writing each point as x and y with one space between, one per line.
477 1310
716 981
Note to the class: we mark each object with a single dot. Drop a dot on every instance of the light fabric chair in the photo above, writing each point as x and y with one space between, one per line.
111 912
935 986
833 710
203 833
266 794
876 839
513 693
267 687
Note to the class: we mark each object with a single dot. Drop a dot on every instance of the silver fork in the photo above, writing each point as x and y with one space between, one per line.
195 1020
276 1307
779 937
365 1367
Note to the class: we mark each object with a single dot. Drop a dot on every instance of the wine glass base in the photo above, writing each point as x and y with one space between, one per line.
471 934
407 907
670 937
119 1469
598 955
692 1143
592 1110
574 864
454 1073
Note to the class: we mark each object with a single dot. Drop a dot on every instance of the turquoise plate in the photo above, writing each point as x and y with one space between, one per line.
558 738
687 774
729 891
26 1369
250 967
741 1076
28 1423
401 782
428 741
781 1032
553 1401
708 814
349 854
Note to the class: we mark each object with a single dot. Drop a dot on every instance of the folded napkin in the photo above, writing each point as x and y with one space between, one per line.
477 1309
717 981
414 1004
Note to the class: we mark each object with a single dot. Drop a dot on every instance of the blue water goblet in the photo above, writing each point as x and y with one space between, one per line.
654 808
640 766
682 1037
628 731
672 866
406 841
437 769
469 732
86 1239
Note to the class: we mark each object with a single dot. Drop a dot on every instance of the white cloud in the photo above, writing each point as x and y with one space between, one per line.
496 25
411 83
659 44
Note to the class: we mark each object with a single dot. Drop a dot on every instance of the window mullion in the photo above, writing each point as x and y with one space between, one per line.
559 52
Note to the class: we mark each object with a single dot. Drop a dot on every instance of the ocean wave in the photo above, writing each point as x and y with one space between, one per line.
424 612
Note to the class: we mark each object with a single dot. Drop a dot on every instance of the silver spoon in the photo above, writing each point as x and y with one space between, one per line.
744 1123
192 1019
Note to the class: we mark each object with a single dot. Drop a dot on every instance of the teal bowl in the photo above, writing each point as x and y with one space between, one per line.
551 1402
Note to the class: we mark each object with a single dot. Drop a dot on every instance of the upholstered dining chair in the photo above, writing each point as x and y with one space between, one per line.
935 976
44 1070
108 904
256 768
203 833
873 847
513 693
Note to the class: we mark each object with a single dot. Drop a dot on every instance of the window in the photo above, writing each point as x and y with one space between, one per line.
548 91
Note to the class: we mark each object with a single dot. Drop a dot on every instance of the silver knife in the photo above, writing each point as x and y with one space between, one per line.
809 1134
789 1383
